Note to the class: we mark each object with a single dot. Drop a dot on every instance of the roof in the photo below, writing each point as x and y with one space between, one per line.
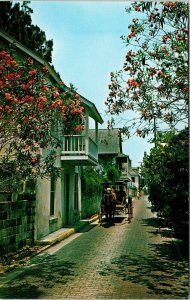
109 141
93 112
135 171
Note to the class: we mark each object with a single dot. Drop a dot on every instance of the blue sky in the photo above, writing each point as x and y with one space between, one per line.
87 47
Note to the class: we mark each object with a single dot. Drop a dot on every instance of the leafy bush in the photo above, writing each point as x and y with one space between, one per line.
166 174
112 174
91 192
91 181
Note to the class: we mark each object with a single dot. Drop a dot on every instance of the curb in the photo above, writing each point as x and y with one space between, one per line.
68 232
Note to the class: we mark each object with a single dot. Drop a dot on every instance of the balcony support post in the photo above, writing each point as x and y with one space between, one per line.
87 132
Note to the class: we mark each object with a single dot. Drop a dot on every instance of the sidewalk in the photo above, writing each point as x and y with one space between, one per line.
12 261
64 233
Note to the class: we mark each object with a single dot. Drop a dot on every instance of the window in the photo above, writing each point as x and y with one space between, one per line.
52 196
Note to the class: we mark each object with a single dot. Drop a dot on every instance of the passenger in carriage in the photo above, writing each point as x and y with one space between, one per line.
121 195
113 191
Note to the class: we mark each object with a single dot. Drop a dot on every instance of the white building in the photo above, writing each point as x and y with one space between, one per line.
58 202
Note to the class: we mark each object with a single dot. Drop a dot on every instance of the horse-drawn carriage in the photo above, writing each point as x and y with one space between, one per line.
113 202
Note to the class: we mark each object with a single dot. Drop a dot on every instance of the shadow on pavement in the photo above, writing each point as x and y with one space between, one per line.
45 272
118 220
161 273
86 228
163 270
153 222
25 291
181 246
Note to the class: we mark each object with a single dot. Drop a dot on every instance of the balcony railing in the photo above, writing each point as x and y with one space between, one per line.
80 148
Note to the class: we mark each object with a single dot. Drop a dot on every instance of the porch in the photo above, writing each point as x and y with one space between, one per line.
79 149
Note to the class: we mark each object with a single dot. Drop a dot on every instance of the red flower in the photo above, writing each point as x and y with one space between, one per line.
13 63
7 107
30 61
33 160
43 81
2 53
7 96
7 56
1 84
111 94
33 72
44 69
77 96
180 38
25 120
131 35
137 8
185 30
138 131
160 73
44 88
56 94
164 38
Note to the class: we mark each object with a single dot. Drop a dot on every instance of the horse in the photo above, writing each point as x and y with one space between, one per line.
107 208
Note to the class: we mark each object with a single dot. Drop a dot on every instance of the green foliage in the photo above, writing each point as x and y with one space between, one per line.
112 174
15 19
110 171
91 192
107 160
166 172
91 181
90 205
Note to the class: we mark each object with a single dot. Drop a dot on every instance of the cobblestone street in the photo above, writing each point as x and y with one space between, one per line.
125 261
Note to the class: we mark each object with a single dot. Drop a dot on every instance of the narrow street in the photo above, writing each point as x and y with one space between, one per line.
125 261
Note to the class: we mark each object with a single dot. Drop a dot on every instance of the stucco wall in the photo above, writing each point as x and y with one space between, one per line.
45 223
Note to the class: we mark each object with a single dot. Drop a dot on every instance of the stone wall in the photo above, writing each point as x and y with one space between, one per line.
16 225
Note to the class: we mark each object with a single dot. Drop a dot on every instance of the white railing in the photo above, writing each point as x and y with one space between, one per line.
75 145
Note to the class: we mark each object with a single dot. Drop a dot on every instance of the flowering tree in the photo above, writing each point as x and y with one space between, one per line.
153 81
33 116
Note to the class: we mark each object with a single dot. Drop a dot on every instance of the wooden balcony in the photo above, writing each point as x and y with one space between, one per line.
79 150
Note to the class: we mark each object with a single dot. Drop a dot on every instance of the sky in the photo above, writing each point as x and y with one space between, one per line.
86 48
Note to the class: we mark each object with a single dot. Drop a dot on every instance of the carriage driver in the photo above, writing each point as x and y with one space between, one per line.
107 202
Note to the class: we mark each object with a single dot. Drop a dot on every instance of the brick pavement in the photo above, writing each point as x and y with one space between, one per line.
125 261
